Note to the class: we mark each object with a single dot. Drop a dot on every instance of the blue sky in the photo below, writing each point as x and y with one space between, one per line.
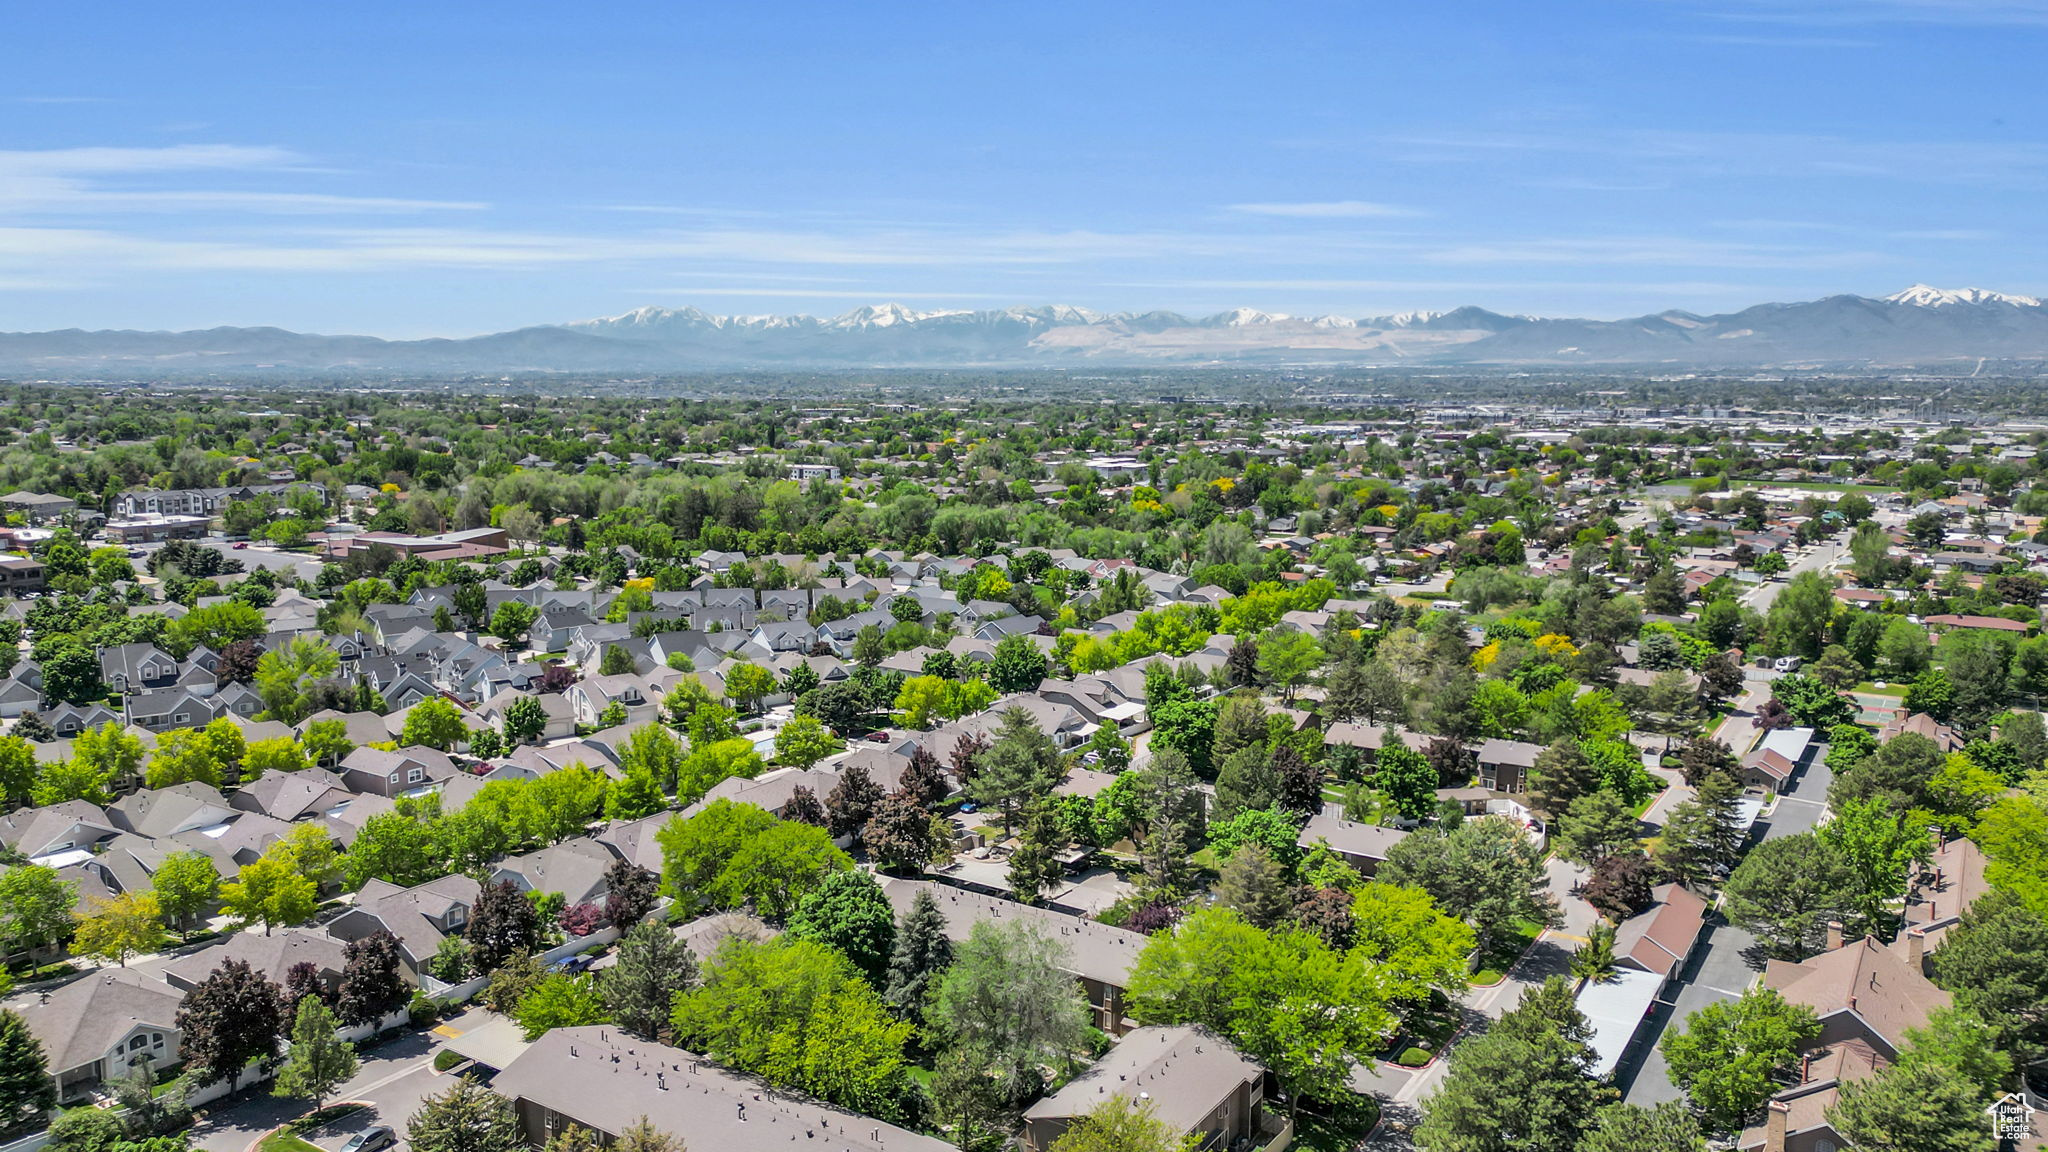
454 168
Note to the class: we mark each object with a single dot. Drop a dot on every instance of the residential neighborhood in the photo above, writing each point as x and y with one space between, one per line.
990 774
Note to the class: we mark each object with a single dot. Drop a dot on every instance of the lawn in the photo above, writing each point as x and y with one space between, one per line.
1492 964
282 1141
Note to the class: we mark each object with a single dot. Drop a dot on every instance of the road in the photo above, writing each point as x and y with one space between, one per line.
1818 558
1722 965
392 1078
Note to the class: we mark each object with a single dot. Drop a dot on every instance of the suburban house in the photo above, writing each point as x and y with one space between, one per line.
94 1031
419 917
1867 995
575 868
1363 846
1197 1084
602 1080
1504 764
1099 956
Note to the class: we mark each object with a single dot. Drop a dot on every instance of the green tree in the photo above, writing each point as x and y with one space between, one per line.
1729 1054
804 741
27 1090
397 847
511 620
319 1061
35 906
1252 884
117 927
1786 891
1523 1085
1016 666
286 675
1668 1127
215 626
1881 845
1596 826
1186 726
653 967
848 911
1017 767
797 1014
1485 871
1286 658
1035 868
184 756
1412 944
525 719
1284 998
921 955
1799 617
1917 1107
326 742
468 1117
1995 964
559 1001
278 754
271 889
746 684
185 884
1009 1004
1407 778
1118 1125
434 723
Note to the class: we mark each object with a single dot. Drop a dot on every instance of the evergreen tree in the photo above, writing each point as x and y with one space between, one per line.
1523 1085
1246 782
1626 1128
1562 773
1018 766
640 989
921 955
1912 1107
26 1089
468 1117
1035 868
1253 885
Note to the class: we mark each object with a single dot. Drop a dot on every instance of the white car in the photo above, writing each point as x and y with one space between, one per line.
1788 664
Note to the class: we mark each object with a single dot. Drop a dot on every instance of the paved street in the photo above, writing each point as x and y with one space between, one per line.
1817 559
393 1079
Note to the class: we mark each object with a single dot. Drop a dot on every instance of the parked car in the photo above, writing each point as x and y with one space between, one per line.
371 1139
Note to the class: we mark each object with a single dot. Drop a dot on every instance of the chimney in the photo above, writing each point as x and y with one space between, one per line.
1834 935
1916 949
1776 1122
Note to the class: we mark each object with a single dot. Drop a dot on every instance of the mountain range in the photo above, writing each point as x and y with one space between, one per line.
1920 326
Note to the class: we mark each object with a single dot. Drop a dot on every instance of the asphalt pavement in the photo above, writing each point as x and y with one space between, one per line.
392 1078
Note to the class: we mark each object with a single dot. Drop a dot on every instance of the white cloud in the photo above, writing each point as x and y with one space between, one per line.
1326 210
84 181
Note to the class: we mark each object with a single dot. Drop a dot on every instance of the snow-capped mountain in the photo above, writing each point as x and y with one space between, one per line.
1921 325
1925 296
